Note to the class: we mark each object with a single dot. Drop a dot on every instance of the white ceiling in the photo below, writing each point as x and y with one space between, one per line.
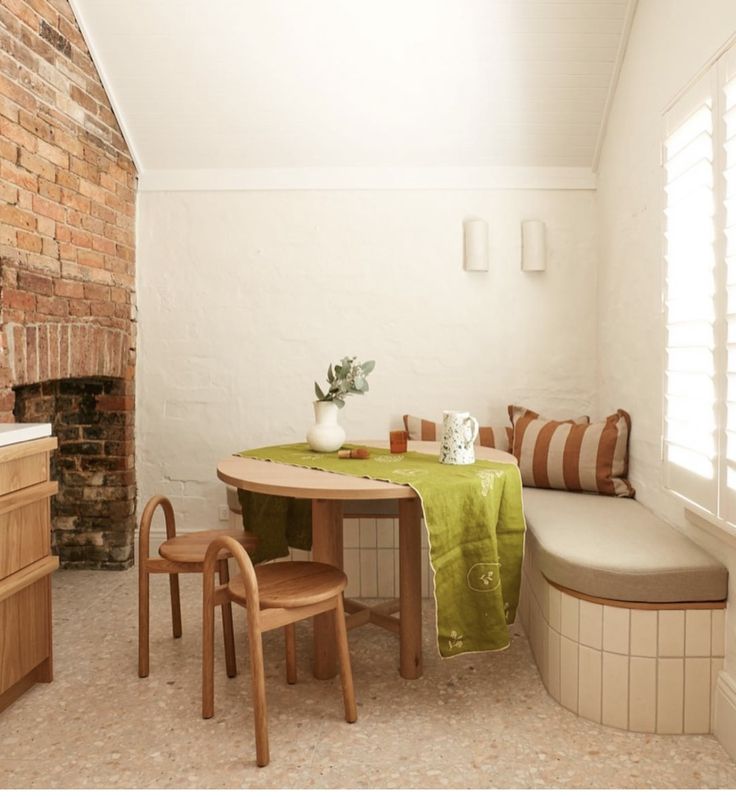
382 84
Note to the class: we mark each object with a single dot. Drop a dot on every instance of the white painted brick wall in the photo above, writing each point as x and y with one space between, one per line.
245 297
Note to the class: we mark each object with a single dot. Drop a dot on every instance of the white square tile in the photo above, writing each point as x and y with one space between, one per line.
553 663
670 694
386 588
569 674
591 624
671 638
534 623
718 635
351 566
697 632
642 694
350 533
544 598
523 610
615 630
569 616
697 694
589 692
543 632
615 690
643 633
716 665
385 533
368 573
555 608
367 526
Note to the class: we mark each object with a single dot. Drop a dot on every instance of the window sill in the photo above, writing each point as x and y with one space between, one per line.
720 529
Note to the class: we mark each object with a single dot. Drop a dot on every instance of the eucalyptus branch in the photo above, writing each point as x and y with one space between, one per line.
349 377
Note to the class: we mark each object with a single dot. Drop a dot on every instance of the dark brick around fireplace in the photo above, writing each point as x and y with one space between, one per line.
93 515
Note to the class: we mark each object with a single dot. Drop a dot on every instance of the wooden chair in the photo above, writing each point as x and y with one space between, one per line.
275 595
184 553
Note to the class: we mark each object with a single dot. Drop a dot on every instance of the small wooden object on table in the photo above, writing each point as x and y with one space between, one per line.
26 565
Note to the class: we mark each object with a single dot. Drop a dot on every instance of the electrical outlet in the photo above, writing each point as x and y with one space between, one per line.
223 512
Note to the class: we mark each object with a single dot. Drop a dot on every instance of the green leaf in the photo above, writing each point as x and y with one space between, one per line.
330 375
339 402
318 391
368 366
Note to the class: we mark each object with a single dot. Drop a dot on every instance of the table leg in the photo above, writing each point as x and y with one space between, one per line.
410 587
326 547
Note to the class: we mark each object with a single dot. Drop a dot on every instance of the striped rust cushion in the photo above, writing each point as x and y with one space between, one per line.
490 436
569 455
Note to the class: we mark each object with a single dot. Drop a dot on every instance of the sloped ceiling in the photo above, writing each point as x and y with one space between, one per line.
293 86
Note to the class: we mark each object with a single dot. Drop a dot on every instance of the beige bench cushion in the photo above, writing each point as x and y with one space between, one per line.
616 548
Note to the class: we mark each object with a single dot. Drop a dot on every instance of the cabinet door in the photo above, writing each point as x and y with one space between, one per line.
25 536
19 473
25 632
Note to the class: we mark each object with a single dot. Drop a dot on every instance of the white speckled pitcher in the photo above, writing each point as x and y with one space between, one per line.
459 430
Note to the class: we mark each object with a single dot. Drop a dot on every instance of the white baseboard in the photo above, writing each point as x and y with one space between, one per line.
725 714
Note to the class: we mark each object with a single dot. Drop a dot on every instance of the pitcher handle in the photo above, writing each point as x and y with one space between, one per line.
471 425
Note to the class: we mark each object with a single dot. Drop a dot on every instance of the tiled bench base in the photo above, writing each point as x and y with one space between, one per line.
640 670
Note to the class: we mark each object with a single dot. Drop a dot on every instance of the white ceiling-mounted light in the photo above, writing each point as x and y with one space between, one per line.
475 239
533 246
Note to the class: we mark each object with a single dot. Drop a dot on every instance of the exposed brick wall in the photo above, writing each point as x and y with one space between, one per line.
67 210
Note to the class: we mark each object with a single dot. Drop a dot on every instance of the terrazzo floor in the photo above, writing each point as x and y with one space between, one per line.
475 721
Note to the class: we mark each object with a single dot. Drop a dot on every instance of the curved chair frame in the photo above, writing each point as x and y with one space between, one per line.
260 620
148 565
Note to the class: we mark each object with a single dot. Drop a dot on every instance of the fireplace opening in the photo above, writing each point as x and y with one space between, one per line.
93 515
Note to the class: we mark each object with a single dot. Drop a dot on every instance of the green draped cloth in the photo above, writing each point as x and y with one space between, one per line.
474 517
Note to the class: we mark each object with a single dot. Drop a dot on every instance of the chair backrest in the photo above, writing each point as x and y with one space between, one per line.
247 572
145 527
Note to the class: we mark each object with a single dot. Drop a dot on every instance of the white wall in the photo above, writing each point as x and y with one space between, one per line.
245 298
670 43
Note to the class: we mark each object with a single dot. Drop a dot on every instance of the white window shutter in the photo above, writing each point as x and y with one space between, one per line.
690 416
726 167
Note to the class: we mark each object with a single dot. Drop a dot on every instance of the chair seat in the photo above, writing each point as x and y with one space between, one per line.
191 548
286 585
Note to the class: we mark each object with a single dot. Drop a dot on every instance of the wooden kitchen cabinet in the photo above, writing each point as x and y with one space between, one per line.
26 565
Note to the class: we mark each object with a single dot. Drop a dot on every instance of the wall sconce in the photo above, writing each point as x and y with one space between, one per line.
475 237
533 246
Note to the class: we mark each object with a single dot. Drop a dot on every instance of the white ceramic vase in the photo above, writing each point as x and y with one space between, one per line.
326 434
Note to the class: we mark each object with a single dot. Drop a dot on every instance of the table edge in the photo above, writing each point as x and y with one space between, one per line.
378 490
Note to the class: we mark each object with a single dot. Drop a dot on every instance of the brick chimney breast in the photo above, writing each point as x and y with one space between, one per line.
67 273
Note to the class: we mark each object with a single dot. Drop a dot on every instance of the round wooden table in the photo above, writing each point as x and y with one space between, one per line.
327 491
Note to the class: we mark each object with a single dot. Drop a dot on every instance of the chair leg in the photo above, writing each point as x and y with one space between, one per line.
343 653
143 619
175 604
231 666
258 679
290 639
208 654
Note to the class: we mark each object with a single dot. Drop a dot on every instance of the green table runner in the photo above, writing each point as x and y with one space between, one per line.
475 521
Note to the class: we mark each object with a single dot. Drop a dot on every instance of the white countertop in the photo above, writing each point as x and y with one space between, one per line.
21 432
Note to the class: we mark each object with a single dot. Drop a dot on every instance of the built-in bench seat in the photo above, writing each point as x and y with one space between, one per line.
624 614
